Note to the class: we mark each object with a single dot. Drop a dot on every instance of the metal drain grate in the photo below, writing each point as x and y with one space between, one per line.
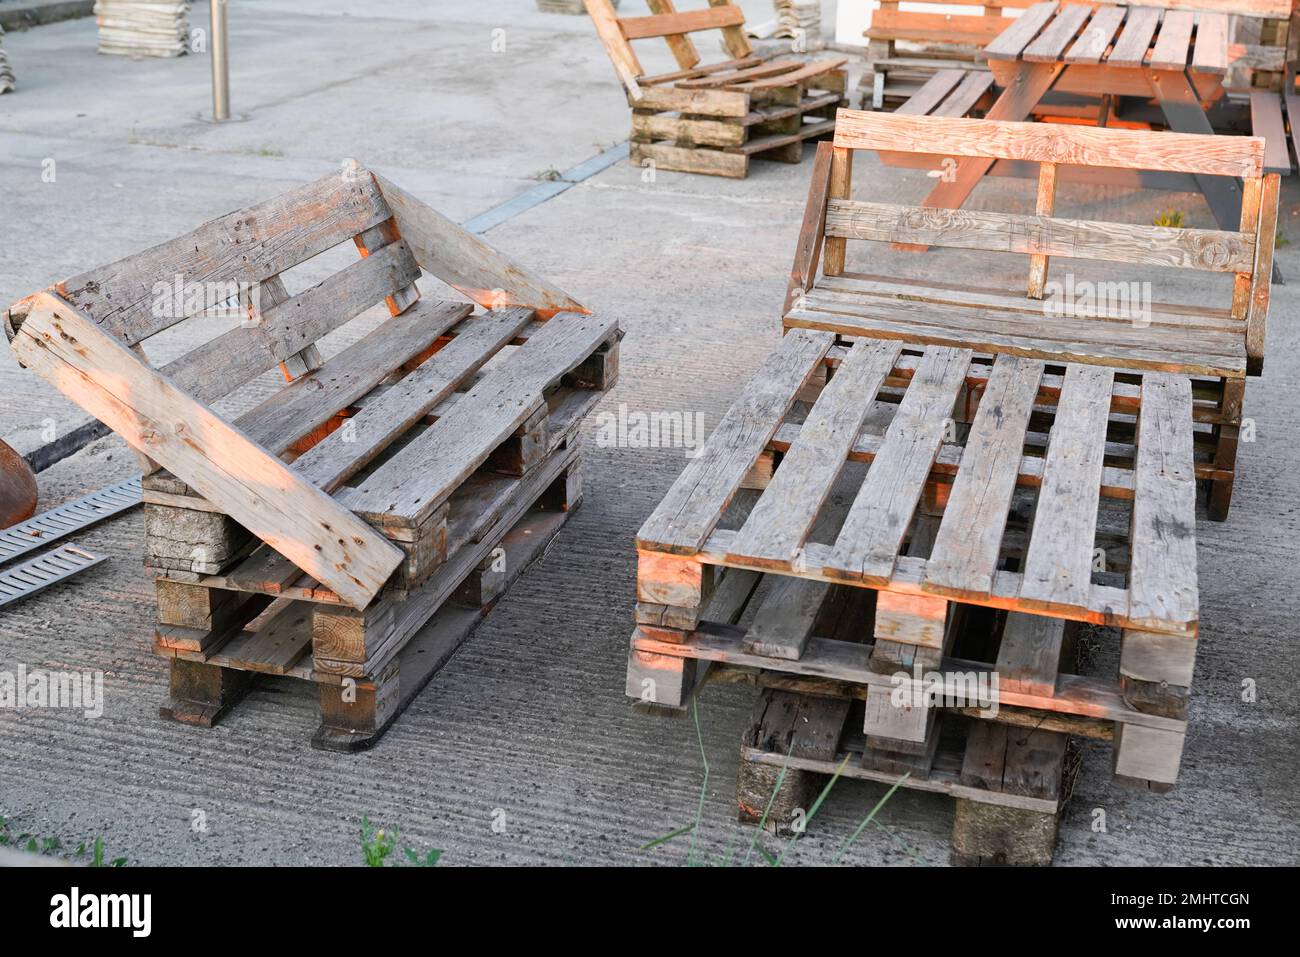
68 519
43 571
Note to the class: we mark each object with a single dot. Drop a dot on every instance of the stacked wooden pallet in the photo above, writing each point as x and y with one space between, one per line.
351 529
712 119
6 71
1019 458
143 27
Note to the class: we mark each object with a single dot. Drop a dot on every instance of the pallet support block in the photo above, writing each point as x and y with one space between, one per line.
203 694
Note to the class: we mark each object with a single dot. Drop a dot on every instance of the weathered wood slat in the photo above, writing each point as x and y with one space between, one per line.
1162 574
780 521
1047 46
340 455
966 548
1135 39
1206 249
1052 143
785 618
1058 563
465 262
1174 42
867 547
663 25
1210 55
924 100
406 490
313 399
246 246
1008 44
217 460
1096 37
1029 654
690 510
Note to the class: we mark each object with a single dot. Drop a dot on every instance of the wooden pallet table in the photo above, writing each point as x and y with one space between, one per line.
906 47
1040 464
714 118
353 527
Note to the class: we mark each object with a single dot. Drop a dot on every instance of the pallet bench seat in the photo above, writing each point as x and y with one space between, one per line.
929 454
713 118
373 496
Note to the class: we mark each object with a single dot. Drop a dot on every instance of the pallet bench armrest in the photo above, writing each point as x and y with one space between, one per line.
807 253
228 468
465 262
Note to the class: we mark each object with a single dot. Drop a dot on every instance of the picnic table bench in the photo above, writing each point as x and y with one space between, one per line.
1006 446
315 533
712 118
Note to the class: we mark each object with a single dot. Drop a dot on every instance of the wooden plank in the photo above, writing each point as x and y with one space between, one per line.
1051 143
841 185
783 516
1174 42
620 52
1210 54
964 557
756 72
1130 49
1045 205
699 71
924 100
710 162
653 126
807 72
417 480
808 250
662 25
734 40
1049 44
214 458
867 547
1058 562
342 454
1266 121
785 618
695 102
1162 571
308 402
466 263
972 87
1261 278
1064 339
1008 44
246 246
1029 655
1096 37
682 48
692 507
1207 249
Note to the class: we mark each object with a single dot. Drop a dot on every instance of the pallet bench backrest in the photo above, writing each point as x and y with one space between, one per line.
832 218
85 334
962 26
675 27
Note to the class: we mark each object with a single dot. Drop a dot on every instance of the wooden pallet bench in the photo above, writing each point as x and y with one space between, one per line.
714 118
1043 465
1009 783
907 47
382 498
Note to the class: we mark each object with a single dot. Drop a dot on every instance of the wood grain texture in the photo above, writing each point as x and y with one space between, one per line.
1048 46
690 510
467 263
246 246
216 459
1096 36
867 547
1135 39
1162 573
691 21
1008 44
1051 142
778 524
1058 562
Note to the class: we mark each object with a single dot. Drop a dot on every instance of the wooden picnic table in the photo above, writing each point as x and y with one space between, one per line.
1175 57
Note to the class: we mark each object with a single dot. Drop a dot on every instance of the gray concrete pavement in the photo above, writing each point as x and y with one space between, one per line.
529 720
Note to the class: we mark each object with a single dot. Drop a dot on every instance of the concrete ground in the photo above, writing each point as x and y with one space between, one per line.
527 727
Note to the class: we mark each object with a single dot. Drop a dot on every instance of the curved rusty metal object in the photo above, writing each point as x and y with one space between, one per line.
17 488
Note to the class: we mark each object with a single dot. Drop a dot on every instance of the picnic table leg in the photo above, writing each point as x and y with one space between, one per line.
1031 82
1182 110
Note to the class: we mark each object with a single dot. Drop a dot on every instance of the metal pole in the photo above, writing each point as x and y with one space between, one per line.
220 66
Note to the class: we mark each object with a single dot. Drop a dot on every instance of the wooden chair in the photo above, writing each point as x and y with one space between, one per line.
1025 453
906 47
712 118
314 534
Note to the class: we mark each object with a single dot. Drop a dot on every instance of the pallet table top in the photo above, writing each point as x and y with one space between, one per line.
1056 564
